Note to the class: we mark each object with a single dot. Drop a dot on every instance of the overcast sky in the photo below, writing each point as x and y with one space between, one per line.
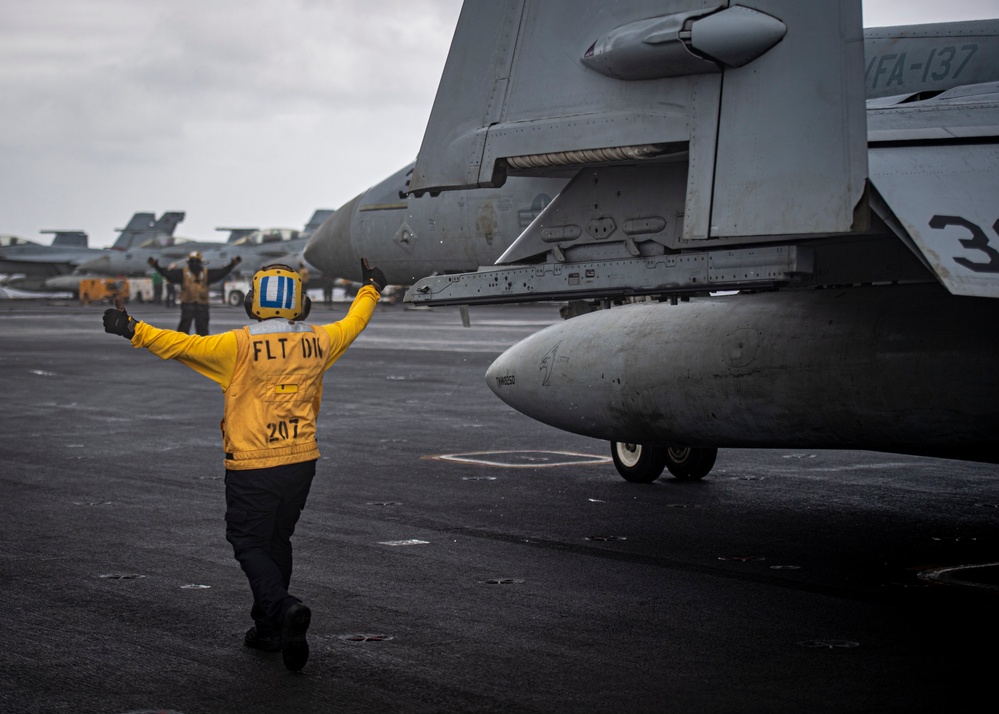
241 113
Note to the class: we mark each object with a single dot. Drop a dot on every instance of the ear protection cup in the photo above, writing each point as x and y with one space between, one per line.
248 304
306 308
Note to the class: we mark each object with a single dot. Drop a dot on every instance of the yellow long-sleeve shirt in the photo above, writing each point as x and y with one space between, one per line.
214 356
218 358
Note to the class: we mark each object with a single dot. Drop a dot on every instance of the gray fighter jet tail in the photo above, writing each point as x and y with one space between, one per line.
68 239
144 227
318 218
168 222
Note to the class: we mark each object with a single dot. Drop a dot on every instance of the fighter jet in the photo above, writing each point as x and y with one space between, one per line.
723 146
30 265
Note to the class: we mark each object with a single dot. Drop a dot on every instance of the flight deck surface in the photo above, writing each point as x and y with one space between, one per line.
458 556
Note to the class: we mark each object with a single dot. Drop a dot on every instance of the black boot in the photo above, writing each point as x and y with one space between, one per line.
294 648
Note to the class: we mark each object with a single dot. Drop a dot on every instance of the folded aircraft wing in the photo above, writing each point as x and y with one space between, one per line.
757 101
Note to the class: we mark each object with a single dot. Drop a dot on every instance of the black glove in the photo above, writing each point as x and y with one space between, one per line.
372 276
236 260
153 262
119 322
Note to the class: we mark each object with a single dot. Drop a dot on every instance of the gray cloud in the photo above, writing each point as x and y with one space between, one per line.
252 113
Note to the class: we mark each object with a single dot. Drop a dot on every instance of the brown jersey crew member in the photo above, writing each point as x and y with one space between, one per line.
194 280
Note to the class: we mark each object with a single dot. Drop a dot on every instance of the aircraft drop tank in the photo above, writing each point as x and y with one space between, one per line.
908 369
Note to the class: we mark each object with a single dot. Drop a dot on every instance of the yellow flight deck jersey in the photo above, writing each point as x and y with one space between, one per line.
271 374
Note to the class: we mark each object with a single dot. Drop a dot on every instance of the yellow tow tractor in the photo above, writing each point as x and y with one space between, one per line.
103 289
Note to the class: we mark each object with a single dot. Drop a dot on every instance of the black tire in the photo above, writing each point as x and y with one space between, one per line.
638 463
687 464
236 298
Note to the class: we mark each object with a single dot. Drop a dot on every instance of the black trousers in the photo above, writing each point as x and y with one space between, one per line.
262 508
196 313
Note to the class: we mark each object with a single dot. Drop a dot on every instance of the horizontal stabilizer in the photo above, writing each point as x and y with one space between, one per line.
945 198
935 163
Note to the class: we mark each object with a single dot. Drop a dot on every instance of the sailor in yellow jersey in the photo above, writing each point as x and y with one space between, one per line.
271 374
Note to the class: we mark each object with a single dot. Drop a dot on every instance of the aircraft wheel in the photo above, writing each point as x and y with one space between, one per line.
236 298
637 463
687 464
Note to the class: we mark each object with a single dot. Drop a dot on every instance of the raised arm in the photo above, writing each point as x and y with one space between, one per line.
343 332
213 356
174 276
216 274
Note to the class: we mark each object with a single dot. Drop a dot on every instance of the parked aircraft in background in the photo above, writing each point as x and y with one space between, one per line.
864 242
29 265
255 247
250 246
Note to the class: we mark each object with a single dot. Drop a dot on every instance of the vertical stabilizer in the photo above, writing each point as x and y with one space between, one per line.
68 239
139 224
168 223
317 220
